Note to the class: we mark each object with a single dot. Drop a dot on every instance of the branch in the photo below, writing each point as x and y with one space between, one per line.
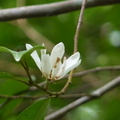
75 44
79 74
97 93
49 9
23 96
72 96
79 25
97 69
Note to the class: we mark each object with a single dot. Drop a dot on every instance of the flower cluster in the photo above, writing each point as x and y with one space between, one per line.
54 66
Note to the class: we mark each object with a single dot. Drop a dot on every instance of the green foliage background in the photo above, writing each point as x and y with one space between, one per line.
99 46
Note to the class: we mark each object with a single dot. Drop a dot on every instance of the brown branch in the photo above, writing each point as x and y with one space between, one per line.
22 96
40 96
79 74
73 96
97 93
97 69
79 26
75 47
49 9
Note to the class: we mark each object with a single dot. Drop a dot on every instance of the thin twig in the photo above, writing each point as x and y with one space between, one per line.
68 82
49 9
21 81
73 96
79 26
40 96
22 96
79 74
97 69
25 66
75 44
95 94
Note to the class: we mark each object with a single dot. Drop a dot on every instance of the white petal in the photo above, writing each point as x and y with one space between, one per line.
43 51
57 51
56 69
70 68
73 59
28 46
46 65
35 56
72 62
62 70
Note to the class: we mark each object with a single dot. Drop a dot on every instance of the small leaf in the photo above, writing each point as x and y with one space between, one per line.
19 55
36 111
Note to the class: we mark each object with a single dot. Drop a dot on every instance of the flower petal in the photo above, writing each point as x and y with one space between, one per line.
46 65
35 56
62 69
56 69
43 51
72 62
57 51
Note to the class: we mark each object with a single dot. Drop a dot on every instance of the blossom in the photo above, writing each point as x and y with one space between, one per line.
54 66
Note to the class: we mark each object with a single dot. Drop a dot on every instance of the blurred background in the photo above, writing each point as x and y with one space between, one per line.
99 46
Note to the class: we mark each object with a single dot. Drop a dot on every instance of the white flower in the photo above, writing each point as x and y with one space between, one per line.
52 66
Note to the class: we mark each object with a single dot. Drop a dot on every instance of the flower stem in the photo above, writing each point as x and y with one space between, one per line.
21 81
46 84
68 83
25 66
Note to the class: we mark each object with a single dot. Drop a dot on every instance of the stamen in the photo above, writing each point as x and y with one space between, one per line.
61 72
57 61
64 59
50 74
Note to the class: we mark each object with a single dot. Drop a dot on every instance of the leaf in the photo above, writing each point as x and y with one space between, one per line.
5 75
10 85
19 55
36 111
8 109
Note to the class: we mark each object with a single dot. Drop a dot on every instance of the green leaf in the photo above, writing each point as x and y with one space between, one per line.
7 81
5 75
36 111
7 110
19 55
